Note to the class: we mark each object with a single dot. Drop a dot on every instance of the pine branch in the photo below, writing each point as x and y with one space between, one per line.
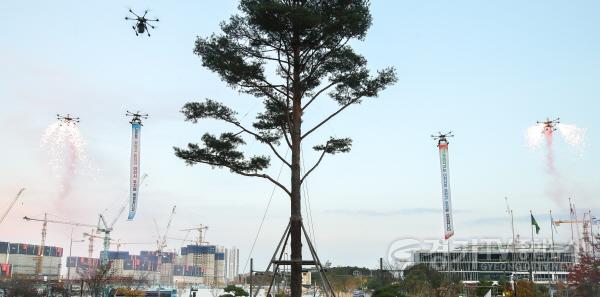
313 167
332 146
318 94
213 109
261 175
330 117
262 139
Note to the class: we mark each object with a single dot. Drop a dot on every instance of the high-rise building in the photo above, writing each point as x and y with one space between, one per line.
22 259
210 258
220 265
232 263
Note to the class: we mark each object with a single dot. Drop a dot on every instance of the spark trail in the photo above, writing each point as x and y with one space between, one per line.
65 147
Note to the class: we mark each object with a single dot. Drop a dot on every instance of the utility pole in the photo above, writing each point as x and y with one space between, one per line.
532 262
381 270
69 270
251 274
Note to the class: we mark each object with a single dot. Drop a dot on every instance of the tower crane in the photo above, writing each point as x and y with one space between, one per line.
118 243
91 243
201 233
10 206
162 239
45 221
161 242
585 223
106 228
91 237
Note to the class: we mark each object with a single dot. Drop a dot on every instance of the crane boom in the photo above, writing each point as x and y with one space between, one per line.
201 233
58 222
558 222
163 242
45 221
12 203
122 209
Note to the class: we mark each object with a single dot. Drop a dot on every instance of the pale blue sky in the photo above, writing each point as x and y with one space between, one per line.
484 69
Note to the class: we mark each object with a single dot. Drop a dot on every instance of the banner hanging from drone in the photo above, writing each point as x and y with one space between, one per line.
134 184
446 200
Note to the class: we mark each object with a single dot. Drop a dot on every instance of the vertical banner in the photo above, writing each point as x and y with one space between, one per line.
446 200
134 185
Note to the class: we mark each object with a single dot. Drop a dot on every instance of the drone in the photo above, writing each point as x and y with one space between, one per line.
67 119
442 137
549 125
141 24
136 117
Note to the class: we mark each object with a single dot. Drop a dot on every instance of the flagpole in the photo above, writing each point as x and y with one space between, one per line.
552 229
592 233
553 250
512 222
532 247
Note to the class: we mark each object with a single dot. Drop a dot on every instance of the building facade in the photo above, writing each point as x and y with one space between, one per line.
473 263
232 264
22 259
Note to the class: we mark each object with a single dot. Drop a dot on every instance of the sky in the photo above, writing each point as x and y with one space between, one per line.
486 70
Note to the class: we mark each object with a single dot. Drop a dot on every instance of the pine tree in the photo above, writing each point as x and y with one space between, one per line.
289 54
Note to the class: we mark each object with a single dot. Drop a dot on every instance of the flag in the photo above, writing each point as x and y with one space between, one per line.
534 223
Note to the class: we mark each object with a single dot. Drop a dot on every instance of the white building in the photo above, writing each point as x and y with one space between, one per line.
232 263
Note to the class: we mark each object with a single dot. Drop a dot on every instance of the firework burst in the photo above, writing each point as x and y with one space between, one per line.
65 147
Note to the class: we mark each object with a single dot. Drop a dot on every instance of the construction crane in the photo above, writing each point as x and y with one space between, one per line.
161 242
118 243
106 228
586 227
91 237
162 239
45 221
201 233
10 206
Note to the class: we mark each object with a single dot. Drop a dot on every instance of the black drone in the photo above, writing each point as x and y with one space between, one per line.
67 120
141 24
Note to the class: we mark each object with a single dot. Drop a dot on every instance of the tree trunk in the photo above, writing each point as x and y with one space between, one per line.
295 201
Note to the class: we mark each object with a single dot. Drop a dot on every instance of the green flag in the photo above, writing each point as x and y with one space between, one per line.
534 223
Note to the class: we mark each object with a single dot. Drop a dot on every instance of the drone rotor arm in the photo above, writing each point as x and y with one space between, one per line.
131 11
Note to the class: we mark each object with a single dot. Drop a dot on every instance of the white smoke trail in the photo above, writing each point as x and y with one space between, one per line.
572 134
66 153
534 135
